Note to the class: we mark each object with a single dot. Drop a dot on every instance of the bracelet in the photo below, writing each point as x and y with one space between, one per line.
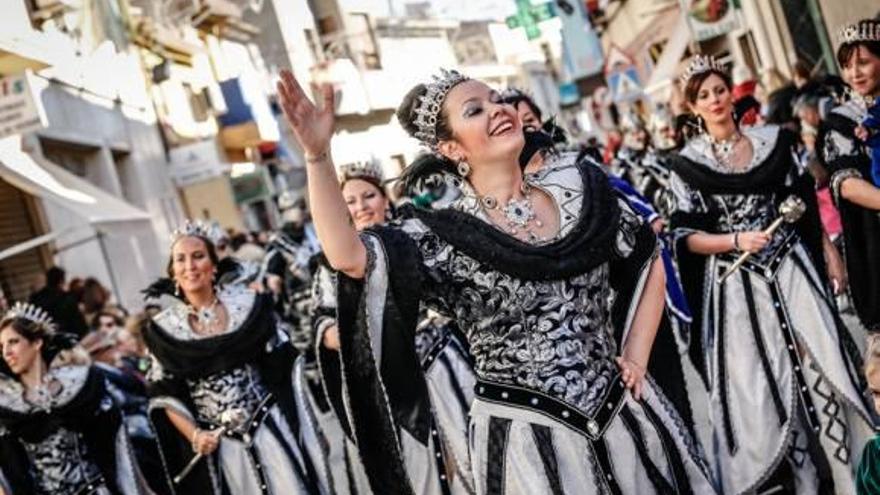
736 241
320 157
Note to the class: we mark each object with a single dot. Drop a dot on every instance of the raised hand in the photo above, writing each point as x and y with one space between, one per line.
312 126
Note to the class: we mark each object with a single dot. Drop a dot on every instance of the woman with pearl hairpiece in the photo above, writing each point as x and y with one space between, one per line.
855 181
527 270
786 401
60 431
220 384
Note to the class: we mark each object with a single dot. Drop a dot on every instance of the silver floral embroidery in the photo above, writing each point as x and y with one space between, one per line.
239 388
550 336
60 463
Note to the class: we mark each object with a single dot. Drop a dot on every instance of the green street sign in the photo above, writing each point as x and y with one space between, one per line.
528 16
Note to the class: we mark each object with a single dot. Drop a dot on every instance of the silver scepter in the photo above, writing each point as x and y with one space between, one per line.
790 211
230 420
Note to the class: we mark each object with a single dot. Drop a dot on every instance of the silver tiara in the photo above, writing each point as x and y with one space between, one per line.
361 170
513 92
198 228
431 103
31 313
700 64
861 31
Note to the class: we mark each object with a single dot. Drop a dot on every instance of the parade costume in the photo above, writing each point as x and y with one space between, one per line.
846 156
670 344
72 439
447 370
288 256
240 379
551 414
786 400
327 437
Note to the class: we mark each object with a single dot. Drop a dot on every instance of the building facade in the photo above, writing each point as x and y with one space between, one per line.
90 183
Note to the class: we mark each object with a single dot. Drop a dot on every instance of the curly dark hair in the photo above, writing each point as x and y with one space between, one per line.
406 114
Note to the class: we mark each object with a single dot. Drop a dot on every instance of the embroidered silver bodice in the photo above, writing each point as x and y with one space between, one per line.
61 463
737 212
551 336
239 389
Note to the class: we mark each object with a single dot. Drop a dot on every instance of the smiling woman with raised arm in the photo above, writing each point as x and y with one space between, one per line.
527 270
786 402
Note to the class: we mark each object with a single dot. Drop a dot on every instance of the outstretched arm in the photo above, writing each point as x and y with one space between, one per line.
313 128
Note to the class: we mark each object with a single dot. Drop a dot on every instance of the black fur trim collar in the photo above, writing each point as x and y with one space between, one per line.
588 245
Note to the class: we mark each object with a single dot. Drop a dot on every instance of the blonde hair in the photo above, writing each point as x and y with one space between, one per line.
872 352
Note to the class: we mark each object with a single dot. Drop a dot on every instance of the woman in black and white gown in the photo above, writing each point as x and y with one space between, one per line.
442 358
60 431
787 402
526 270
221 383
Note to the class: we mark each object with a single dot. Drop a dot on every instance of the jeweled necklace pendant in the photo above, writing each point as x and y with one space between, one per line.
518 212
206 316
723 150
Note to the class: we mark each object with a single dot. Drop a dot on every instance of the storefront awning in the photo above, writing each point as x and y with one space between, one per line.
40 177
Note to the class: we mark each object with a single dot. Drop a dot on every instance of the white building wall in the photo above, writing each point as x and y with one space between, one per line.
97 101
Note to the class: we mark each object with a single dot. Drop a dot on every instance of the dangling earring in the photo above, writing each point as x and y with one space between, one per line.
464 169
701 125
177 288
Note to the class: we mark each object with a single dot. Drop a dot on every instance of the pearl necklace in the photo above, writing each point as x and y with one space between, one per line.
519 214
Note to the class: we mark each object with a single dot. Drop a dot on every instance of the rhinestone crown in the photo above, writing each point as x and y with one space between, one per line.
700 64
361 170
198 228
861 31
431 103
31 313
